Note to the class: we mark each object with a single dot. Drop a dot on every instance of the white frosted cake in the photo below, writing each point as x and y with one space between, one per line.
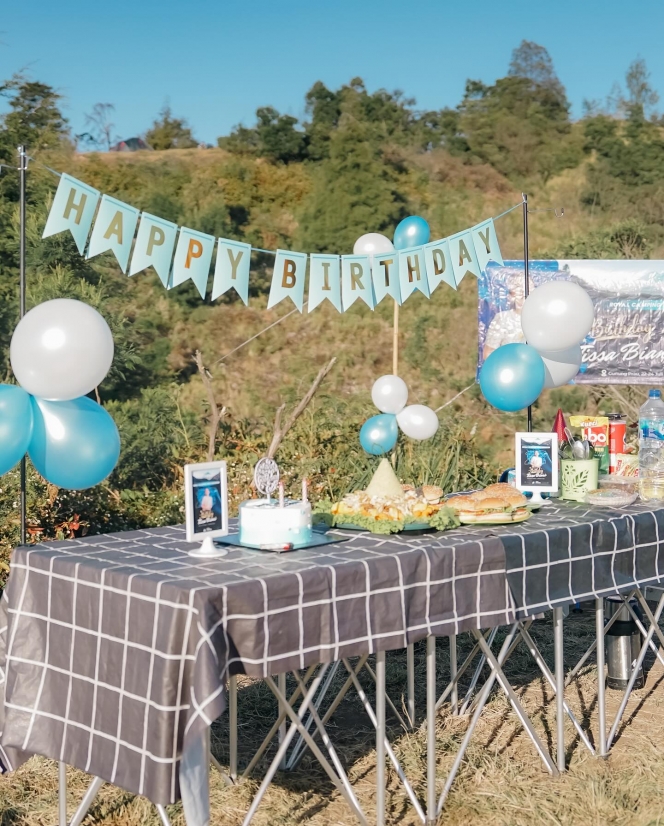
264 522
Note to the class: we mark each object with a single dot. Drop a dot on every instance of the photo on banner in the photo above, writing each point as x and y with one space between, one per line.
114 230
385 276
193 256
438 265
288 276
412 272
324 281
232 269
154 246
356 281
74 209
463 255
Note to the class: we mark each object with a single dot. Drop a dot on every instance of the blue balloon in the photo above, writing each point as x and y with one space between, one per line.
411 232
379 434
512 377
75 444
15 425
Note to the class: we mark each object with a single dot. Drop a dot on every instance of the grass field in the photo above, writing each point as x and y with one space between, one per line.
501 783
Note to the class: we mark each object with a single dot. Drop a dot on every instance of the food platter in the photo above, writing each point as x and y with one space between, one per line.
412 528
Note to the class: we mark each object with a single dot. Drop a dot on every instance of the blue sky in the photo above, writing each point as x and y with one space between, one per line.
216 62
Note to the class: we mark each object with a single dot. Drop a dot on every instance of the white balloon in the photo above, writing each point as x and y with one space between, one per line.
418 421
557 316
561 367
61 349
371 244
389 394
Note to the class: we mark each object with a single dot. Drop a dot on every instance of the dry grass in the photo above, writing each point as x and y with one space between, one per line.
502 782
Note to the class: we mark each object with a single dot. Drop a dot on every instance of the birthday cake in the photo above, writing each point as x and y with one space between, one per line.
264 522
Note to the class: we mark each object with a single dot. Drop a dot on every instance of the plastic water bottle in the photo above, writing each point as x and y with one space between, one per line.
651 448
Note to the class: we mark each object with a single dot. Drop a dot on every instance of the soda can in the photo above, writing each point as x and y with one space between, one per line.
617 439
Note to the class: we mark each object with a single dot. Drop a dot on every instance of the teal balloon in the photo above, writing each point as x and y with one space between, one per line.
15 425
512 377
75 444
379 434
411 232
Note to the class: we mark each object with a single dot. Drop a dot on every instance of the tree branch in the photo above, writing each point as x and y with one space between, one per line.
216 412
279 431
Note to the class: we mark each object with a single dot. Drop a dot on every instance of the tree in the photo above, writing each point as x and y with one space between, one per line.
533 62
168 132
274 137
355 191
101 131
34 117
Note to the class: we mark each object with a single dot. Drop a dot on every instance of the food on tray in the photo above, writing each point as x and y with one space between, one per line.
387 506
496 504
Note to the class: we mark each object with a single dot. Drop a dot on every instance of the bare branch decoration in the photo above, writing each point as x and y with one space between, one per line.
279 430
216 412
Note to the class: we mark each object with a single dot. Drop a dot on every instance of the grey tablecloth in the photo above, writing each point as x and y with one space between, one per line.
114 650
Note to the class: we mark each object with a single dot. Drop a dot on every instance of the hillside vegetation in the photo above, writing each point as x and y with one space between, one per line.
361 162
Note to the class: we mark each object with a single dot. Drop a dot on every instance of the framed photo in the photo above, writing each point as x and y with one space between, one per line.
536 462
206 500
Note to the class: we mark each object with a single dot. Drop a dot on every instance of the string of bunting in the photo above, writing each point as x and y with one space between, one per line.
140 240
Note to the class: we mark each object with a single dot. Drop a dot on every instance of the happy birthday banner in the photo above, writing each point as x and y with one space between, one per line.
178 254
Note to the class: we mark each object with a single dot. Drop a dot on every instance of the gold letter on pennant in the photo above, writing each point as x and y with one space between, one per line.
115 228
77 207
356 273
194 250
288 279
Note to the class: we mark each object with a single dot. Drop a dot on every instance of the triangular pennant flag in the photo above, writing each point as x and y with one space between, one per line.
232 269
385 276
464 258
412 272
439 265
356 280
324 281
114 230
290 269
73 208
486 244
154 246
192 259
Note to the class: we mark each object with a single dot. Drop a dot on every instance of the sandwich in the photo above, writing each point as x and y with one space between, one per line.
494 505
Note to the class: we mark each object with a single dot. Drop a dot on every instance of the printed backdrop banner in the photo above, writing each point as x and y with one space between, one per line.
626 343
341 279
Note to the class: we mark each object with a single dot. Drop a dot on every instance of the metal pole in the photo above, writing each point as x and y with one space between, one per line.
410 668
281 682
453 674
601 701
526 277
62 794
431 730
23 168
380 738
560 687
232 726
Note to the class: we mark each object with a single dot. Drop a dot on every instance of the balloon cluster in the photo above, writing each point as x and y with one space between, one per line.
411 232
379 434
555 319
60 350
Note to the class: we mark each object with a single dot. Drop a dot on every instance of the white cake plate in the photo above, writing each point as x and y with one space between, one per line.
316 540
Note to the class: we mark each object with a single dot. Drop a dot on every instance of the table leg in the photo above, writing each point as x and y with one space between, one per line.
454 700
88 799
410 666
62 794
232 727
281 682
431 729
601 683
560 687
380 738
163 816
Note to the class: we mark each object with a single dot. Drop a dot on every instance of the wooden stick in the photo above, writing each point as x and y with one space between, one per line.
395 341
216 412
279 431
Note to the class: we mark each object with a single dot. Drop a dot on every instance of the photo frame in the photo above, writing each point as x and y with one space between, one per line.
536 462
206 501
